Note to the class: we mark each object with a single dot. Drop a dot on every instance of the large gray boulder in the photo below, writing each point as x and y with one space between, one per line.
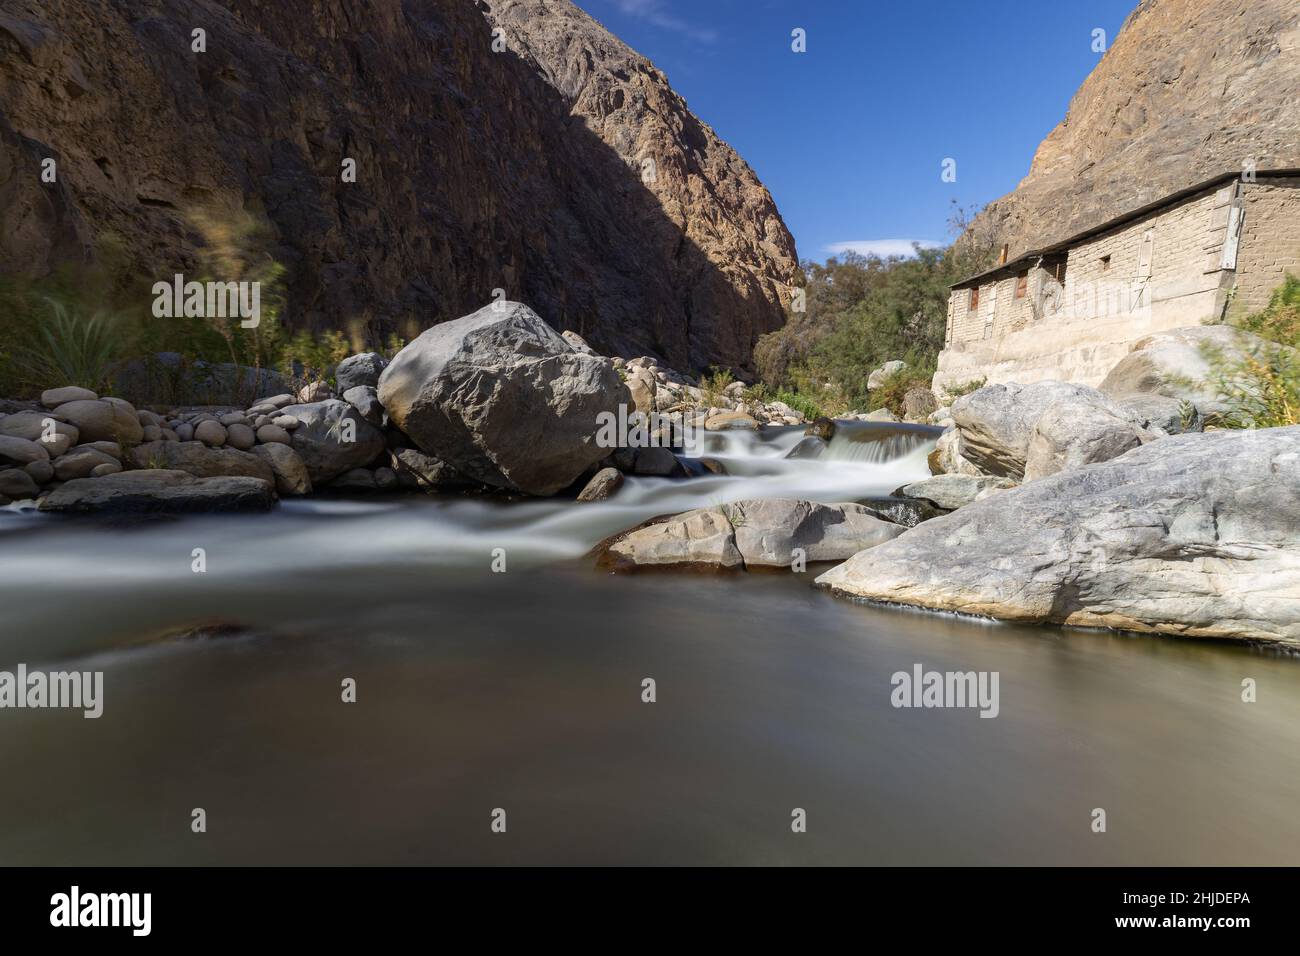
758 533
365 399
1195 535
159 492
1161 414
703 539
946 459
291 477
1177 363
998 424
1070 433
502 397
880 375
603 484
103 419
332 437
81 463
578 342
951 492
20 451
17 483
415 469
919 404
54 397
31 425
197 459
362 369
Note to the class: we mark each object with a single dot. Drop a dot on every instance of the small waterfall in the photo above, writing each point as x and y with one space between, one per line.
877 443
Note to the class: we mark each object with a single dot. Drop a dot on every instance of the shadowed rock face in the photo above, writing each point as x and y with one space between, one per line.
475 170
710 223
1187 91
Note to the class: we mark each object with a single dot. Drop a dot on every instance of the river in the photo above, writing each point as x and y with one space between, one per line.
522 690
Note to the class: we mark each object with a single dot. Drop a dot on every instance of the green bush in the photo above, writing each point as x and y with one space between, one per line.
862 312
957 390
69 347
810 407
1279 321
713 384
892 391
1263 390
83 325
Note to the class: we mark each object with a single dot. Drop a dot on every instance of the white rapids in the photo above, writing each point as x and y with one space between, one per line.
862 461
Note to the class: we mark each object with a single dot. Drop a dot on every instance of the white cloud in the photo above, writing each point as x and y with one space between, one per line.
884 248
653 12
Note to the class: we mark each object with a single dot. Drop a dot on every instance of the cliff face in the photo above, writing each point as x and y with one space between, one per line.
522 169
1188 90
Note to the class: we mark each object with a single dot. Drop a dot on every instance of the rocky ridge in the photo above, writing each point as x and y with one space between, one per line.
1158 115
520 168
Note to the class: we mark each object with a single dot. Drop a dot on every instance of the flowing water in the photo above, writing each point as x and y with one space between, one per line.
521 690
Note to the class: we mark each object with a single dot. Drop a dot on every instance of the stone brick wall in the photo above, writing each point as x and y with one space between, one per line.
1153 261
1270 241
1167 269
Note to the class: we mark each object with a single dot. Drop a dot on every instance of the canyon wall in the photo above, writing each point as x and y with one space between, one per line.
1189 89
548 160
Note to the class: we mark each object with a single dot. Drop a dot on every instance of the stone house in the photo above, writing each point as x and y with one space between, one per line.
1072 310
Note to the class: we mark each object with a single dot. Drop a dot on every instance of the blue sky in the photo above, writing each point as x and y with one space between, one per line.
851 136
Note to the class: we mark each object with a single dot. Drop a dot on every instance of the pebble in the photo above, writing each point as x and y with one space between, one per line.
20 451
54 397
240 436
81 462
16 483
273 435
211 433
41 471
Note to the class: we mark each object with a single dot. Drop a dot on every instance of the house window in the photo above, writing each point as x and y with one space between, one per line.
1105 263
1022 285
974 303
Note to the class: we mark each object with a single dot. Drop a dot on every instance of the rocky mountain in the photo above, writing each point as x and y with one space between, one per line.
1188 90
512 145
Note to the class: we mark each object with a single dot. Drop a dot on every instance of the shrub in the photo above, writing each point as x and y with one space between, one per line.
956 391
1263 390
86 325
863 311
893 390
1260 391
1279 321
714 384
72 348
809 407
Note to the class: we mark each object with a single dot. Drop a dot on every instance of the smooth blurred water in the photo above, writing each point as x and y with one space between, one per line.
522 690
